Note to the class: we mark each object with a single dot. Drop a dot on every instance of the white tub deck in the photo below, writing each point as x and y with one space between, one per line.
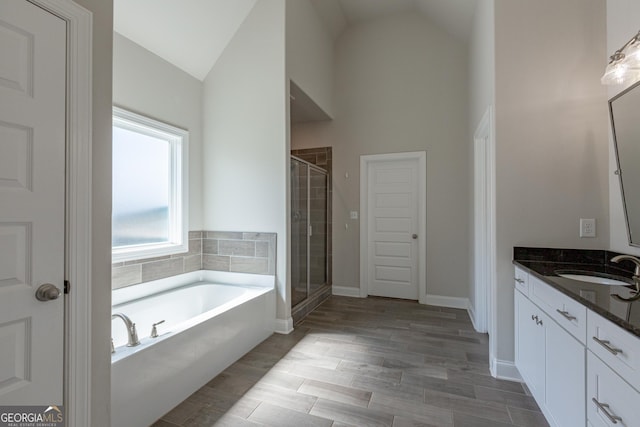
201 336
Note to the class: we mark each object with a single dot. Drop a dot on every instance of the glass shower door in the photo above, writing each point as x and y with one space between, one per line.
318 230
299 231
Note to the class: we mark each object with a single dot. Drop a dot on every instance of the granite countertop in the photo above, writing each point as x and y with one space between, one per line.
544 263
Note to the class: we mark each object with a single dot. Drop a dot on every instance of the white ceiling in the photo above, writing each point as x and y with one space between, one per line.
192 34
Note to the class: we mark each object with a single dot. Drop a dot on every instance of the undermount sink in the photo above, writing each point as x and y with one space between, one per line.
593 277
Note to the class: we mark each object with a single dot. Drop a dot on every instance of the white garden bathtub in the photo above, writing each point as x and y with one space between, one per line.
210 319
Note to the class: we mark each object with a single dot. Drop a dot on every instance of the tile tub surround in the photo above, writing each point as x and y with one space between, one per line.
238 252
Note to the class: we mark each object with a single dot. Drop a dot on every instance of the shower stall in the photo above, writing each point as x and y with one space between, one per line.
310 204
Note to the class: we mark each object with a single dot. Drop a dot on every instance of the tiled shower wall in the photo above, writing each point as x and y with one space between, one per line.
240 252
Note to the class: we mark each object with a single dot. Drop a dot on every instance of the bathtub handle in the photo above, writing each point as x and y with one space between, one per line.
154 331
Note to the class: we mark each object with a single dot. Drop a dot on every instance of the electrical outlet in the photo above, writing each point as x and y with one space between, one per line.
587 227
353 215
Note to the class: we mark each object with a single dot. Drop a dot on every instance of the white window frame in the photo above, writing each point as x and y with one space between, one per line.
178 190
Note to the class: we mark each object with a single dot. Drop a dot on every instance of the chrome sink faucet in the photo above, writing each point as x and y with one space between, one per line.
636 277
635 260
132 334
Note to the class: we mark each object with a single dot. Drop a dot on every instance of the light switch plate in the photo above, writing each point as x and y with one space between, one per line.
353 215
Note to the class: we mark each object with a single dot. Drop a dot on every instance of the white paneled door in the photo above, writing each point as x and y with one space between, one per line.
32 203
393 229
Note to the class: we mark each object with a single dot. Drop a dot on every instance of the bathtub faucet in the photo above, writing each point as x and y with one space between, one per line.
131 329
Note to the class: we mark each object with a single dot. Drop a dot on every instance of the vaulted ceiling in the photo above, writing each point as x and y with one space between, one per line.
192 34
453 16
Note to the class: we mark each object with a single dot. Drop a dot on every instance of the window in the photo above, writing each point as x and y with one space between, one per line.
150 188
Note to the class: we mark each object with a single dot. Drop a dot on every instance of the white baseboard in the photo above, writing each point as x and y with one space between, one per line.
505 370
346 291
474 320
436 300
472 315
284 326
450 302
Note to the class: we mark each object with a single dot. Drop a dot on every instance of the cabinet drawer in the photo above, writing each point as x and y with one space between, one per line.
569 313
616 347
610 400
522 281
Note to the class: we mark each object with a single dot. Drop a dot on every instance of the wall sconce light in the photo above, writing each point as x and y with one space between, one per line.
624 64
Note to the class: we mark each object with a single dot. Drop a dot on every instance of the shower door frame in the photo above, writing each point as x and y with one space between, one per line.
327 213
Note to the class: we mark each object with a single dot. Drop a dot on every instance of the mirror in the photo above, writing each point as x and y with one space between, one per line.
625 122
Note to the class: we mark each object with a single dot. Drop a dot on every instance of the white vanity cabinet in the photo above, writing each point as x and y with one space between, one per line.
582 369
550 359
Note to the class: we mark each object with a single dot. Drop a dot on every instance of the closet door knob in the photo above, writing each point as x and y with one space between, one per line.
47 292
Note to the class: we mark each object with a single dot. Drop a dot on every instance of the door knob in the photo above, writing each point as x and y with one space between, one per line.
47 292
414 236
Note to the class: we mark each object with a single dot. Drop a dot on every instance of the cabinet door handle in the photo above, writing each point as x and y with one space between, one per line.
566 314
607 345
519 280
538 322
605 410
534 318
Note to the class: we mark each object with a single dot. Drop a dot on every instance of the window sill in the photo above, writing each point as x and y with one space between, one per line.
139 253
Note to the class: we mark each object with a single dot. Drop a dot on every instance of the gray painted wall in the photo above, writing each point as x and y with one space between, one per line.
551 134
147 84
246 137
309 53
401 84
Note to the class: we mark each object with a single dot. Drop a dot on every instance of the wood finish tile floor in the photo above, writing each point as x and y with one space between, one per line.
364 362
